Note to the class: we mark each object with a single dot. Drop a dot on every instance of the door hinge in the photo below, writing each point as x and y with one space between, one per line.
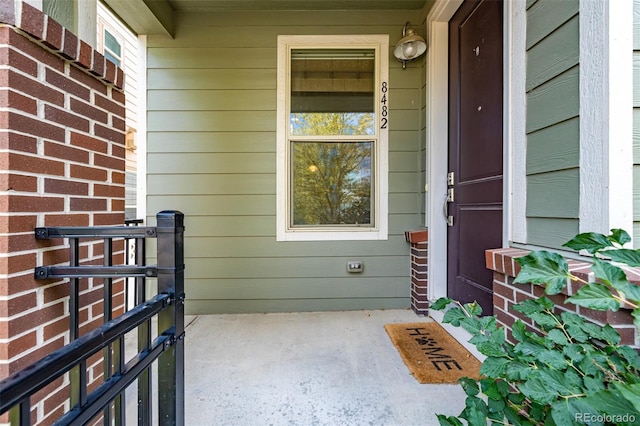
449 220
451 178
450 195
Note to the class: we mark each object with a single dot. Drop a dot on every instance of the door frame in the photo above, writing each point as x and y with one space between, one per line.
514 71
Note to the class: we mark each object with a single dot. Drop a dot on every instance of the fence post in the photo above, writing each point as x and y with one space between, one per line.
170 235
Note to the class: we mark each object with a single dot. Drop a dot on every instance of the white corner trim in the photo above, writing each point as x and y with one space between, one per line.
606 123
515 117
141 175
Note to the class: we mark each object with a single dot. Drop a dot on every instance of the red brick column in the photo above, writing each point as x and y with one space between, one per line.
506 294
419 251
62 136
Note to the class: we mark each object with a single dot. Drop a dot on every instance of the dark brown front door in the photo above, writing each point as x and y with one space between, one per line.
475 149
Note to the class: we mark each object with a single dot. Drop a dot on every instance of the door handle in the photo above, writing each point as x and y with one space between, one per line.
445 207
445 210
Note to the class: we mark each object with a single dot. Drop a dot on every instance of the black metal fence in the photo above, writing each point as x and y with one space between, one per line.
108 399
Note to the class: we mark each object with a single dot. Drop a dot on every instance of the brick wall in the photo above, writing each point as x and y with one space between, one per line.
62 136
418 239
506 294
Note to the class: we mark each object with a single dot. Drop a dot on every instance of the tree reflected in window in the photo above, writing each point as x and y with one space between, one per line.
332 183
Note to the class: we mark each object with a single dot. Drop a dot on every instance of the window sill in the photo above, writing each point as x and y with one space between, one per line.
322 235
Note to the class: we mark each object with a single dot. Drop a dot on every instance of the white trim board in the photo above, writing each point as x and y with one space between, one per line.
606 108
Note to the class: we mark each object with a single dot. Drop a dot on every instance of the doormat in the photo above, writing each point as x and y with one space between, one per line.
431 354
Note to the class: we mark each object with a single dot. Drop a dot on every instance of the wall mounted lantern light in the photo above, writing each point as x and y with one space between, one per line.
410 46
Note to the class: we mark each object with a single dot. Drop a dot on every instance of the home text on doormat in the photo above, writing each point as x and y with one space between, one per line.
431 354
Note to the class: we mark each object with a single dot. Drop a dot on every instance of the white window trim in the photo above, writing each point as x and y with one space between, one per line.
381 203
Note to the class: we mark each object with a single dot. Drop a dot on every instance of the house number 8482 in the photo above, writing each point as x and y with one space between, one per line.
384 108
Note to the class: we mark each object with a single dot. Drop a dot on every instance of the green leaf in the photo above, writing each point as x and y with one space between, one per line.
607 333
613 402
518 330
491 349
574 352
544 319
626 256
536 389
589 241
593 384
546 385
441 303
630 355
473 309
631 292
494 367
514 417
517 371
595 296
540 304
529 348
496 405
619 236
544 267
636 317
553 359
571 410
453 316
631 393
469 386
495 389
475 412
449 421
608 273
557 337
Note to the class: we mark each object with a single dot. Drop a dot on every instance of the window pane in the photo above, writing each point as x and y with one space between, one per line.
332 92
112 58
111 43
332 183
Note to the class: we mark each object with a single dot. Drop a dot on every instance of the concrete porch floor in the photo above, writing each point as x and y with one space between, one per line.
318 368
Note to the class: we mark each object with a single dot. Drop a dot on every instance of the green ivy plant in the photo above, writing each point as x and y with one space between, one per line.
563 370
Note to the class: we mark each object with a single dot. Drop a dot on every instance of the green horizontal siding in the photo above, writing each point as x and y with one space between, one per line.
291 288
554 101
212 100
211 142
235 246
231 306
554 194
239 79
187 121
209 163
554 55
545 16
552 121
551 232
554 148
212 155
291 267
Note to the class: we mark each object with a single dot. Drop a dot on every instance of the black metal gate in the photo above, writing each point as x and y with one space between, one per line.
167 348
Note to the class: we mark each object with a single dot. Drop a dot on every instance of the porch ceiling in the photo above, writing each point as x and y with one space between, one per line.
155 17
217 5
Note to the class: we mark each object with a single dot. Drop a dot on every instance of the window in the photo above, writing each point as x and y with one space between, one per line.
112 48
332 136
